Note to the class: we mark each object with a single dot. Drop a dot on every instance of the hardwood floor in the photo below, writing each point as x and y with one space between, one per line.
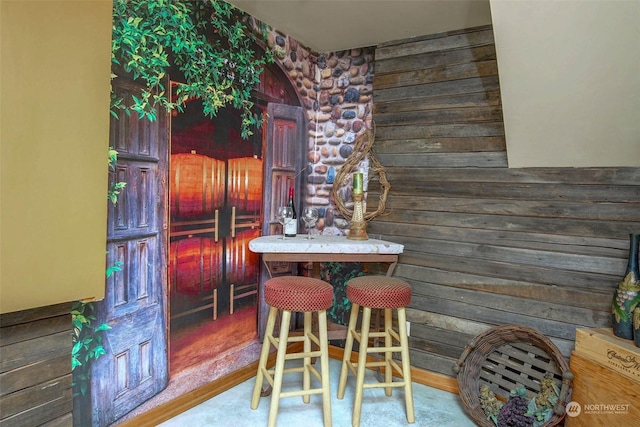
194 344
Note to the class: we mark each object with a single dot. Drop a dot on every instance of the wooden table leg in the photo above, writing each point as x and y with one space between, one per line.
391 268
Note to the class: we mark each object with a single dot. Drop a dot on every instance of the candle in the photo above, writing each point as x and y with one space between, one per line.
357 183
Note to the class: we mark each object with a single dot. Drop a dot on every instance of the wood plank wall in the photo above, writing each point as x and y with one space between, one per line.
35 367
484 244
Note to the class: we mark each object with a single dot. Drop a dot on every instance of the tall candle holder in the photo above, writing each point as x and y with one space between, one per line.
358 226
371 168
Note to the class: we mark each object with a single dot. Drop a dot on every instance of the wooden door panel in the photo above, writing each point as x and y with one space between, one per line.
130 135
285 143
134 286
284 161
137 361
281 182
135 366
135 215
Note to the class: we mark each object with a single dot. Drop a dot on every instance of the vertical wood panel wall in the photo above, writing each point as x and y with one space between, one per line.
35 367
484 244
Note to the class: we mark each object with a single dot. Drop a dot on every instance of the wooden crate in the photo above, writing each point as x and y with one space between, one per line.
606 398
602 346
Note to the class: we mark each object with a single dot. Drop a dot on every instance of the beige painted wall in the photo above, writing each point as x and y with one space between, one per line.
570 81
54 136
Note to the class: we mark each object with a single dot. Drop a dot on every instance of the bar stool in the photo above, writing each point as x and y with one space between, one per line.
295 294
386 293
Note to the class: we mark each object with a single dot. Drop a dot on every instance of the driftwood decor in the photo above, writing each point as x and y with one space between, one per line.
362 148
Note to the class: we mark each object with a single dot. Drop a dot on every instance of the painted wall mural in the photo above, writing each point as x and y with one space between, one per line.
336 89
212 180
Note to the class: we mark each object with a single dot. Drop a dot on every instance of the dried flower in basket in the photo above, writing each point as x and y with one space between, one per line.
489 403
541 406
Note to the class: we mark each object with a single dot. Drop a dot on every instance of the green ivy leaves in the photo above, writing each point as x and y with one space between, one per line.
87 344
114 187
87 338
208 41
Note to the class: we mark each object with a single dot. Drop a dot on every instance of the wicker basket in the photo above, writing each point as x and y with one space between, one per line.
506 357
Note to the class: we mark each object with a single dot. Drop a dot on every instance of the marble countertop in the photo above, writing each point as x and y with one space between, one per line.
323 245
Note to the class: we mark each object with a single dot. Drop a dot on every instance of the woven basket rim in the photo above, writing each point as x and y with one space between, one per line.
483 345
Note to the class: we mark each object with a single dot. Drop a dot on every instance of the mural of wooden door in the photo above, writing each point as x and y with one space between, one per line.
135 367
136 304
284 156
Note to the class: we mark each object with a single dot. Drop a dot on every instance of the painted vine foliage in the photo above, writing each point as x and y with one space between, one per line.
338 274
208 41
87 337
87 345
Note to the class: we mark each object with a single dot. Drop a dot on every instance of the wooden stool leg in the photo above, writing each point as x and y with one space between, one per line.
406 367
279 370
264 355
388 355
348 346
362 362
306 363
376 341
324 365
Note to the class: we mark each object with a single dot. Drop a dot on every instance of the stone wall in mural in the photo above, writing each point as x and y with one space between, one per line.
336 89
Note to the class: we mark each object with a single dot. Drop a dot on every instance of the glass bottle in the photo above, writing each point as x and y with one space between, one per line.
291 227
627 294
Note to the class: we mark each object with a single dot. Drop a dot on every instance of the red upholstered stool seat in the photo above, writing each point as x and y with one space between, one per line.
379 292
296 293
287 294
387 294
